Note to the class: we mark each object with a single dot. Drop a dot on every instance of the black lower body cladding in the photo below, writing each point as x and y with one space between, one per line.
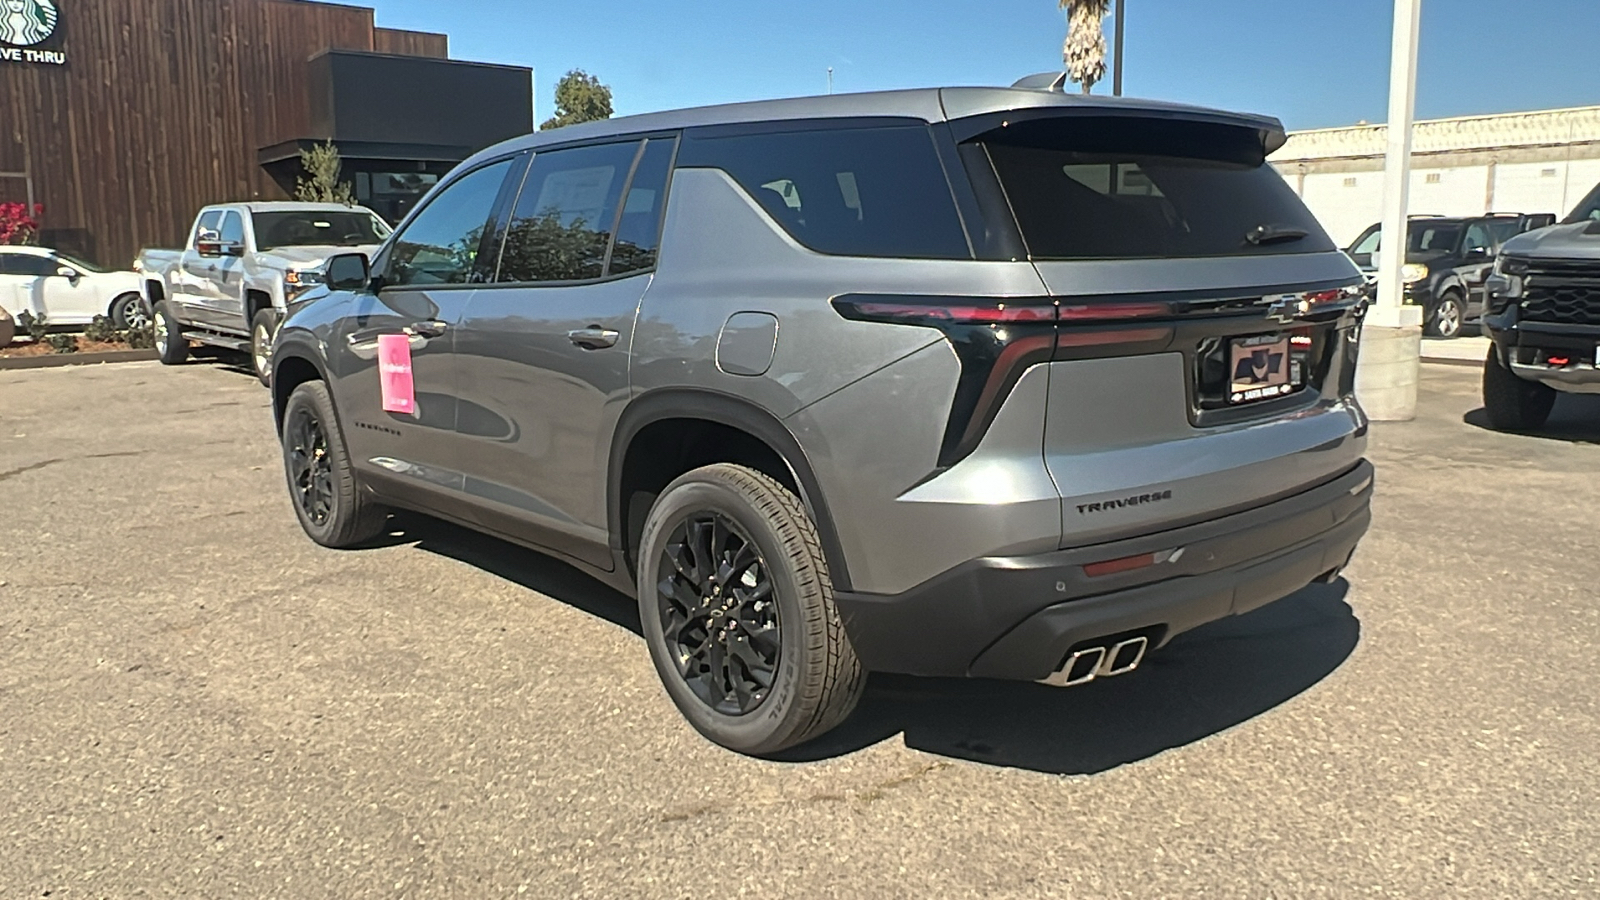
1018 617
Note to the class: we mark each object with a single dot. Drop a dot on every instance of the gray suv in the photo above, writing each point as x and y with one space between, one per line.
989 382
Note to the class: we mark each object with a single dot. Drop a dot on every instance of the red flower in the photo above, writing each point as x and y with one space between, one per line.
17 226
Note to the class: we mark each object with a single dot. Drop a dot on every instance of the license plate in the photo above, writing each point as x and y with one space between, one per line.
1261 368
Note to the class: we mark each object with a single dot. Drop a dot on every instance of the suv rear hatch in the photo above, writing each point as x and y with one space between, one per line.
1204 350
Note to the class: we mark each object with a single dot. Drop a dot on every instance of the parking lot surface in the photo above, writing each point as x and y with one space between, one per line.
195 700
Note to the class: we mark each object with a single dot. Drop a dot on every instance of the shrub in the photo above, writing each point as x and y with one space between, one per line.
63 343
36 326
141 338
102 330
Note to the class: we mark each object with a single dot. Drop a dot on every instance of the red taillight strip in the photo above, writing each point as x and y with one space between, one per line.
1114 312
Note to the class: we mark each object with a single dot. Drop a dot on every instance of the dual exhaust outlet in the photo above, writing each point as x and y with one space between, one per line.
1090 663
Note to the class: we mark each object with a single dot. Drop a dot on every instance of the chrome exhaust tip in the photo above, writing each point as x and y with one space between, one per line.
1124 656
1081 667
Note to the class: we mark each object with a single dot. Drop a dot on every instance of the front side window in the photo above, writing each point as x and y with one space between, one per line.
561 225
1587 210
232 229
1426 238
1368 244
29 265
441 244
1087 187
847 191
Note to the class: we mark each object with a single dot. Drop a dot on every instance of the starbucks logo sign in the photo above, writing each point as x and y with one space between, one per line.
30 32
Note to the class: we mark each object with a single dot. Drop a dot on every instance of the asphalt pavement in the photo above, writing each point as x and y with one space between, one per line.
195 700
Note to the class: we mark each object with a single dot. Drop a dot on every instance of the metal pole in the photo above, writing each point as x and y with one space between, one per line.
1391 335
830 79
1116 73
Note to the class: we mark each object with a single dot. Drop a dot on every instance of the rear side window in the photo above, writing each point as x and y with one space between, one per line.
846 191
1087 187
562 222
639 228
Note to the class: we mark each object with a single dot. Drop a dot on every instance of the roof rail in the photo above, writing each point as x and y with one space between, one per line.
1044 81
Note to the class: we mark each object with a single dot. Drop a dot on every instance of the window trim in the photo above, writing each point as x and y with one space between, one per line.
380 260
643 142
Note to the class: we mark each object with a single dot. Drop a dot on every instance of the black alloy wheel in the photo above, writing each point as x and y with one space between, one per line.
718 613
311 475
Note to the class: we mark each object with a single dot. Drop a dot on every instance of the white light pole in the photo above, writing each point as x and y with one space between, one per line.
1391 338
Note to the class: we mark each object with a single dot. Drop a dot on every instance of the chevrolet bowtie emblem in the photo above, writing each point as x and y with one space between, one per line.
1286 308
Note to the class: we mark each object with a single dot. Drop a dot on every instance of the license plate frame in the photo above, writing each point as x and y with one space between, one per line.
1261 368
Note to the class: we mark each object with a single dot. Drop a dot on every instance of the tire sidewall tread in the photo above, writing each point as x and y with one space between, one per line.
356 517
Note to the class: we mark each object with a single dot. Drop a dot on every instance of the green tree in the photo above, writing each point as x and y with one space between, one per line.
1085 49
322 164
580 97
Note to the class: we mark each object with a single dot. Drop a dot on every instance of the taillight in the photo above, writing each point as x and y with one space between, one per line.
936 312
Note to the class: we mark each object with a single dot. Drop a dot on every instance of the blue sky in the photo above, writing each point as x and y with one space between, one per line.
1312 63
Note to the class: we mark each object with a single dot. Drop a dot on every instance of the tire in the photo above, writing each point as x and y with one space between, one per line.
171 346
1512 403
129 311
1448 316
263 326
8 329
330 504
750 520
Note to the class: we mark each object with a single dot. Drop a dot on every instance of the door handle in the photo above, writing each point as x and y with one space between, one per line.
430 329
594 337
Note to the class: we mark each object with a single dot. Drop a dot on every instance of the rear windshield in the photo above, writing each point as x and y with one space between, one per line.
1122 188
317 229
846 191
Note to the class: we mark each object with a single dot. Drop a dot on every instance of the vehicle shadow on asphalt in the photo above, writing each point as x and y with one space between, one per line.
528 568
1576 418
1204 682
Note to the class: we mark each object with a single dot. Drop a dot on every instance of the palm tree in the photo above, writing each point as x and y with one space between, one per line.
1085 49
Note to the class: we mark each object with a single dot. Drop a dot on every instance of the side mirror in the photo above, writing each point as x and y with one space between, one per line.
1478 253
68 272
230 250
348 272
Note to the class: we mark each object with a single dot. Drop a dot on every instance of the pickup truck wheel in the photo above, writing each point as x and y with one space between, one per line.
737 609
1448 316
331 506
1512 403
129 311
170 343
262 329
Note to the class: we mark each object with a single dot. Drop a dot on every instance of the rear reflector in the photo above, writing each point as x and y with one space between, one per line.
1116 566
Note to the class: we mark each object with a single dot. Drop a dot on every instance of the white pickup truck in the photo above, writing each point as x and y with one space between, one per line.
243 265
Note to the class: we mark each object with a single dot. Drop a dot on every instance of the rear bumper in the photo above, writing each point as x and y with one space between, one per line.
1019 617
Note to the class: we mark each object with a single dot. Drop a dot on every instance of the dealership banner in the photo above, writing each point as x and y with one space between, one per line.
31 32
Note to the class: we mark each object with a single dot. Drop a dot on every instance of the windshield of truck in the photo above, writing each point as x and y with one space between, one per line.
1089 187
319 228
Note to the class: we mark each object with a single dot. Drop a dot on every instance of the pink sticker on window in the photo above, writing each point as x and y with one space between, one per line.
394 373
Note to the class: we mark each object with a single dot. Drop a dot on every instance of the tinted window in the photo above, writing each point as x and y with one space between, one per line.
1368 244
639 228
1103 188
27 265
853 192
440 245
320 228
232 231
1477 237
561 225
1424 238
1588 209
1504 229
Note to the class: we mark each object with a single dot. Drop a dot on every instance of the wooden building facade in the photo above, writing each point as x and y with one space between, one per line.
129 115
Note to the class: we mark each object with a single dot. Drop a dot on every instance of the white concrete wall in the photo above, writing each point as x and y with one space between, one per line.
1346 209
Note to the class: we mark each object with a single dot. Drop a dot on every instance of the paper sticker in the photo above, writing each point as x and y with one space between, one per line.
394 373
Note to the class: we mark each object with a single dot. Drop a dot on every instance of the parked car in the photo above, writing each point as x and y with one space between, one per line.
1544 319
1447 261
968 382
244 263
67 290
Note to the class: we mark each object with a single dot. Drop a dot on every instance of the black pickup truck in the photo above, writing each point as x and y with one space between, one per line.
1447 262
1544 318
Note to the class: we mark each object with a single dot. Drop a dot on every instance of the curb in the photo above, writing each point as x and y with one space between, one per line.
56 360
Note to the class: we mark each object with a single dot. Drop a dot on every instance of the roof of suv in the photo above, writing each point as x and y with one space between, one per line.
928 104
